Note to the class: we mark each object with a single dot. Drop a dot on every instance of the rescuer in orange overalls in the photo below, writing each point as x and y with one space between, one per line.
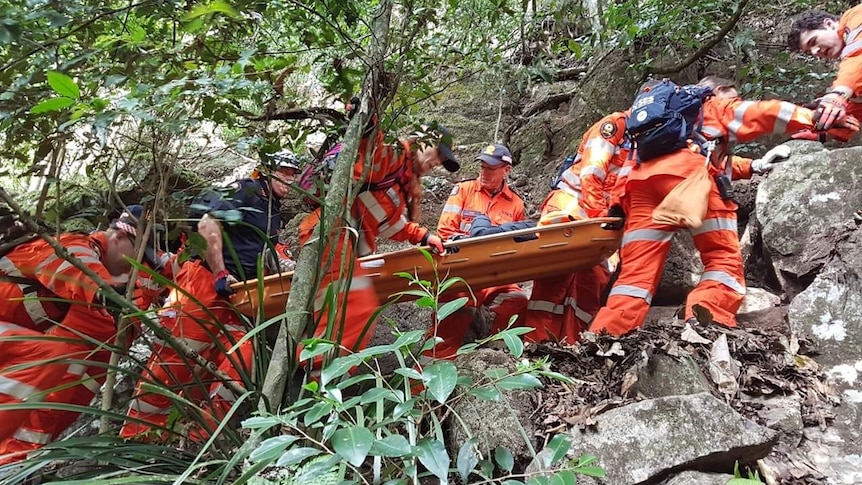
489 196
826 36
645 245
561 307
198 311
387 206
43 296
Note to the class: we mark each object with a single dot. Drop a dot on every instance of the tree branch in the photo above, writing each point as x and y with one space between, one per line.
734 19
319 114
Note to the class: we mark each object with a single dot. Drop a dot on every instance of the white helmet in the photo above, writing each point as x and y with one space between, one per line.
286 159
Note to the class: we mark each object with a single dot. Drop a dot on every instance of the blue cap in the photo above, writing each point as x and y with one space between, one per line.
495 155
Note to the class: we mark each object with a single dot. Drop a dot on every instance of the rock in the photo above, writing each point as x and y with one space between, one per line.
757 299
668 376
696 432
800 210
745 194
681 271
782 414
698 478
492 423
830 312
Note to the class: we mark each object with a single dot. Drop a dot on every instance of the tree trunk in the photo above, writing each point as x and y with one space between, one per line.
304 287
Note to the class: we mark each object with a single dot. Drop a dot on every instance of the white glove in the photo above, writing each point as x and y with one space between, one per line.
772 157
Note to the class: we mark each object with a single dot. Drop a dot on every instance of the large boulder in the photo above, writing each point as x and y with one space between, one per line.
801 210
695 432
830 312
698 478
503 422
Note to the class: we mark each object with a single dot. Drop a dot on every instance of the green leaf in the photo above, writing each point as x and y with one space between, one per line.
744 481
440 379
519 382
504 458
63 85
314 347
485 393
296 455
52 104
271 448
338 368
353 443
316 412
539 481
587 459
594 471
564 478
559 445
516 347
451 307
378 394
467 459
432 454
394 446
260 422
216 6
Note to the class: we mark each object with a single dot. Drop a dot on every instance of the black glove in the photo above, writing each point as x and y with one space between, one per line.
615 210
223 281
455 249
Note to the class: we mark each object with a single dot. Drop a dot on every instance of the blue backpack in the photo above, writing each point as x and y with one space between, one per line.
664 118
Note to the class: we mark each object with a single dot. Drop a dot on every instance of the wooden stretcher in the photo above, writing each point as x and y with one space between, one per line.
481 261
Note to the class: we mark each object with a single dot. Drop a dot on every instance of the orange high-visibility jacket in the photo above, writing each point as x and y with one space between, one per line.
731 120
469 200
850 69
602 160
383 211
34 270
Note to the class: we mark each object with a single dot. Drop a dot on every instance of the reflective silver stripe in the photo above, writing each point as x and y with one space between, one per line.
615 169
570 191
625 171
851 49
8 267
545 306
738 116
451 209
356 283
143 407
34 308
725 279
849 43
504 297
390 229
17 389
784 115
655 235
76 369
630 290
571 179
600 144
234 328
90 383
373 206
596 171
5 327
31 436
715 224
580 313
711 132
223 392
